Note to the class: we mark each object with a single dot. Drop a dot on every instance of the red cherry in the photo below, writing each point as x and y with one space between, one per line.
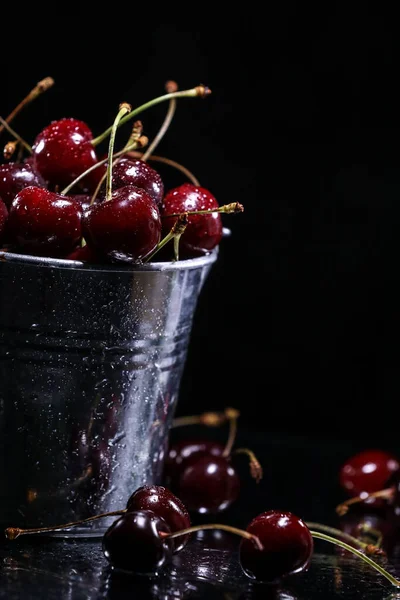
3 216
44 223
63 150
203 232
14 177
368 471
183 450
164 504
85 254
208 484
131 171
287 547
83 199
127 227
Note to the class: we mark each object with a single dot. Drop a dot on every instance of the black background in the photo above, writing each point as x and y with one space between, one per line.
298 323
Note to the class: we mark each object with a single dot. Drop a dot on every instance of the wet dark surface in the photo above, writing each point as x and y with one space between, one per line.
299 475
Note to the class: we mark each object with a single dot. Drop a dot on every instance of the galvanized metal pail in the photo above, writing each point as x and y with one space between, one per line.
91 359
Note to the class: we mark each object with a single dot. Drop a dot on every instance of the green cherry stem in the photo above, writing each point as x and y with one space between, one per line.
368 548
198 91
364 557
233 207
124 109
167 161
15 135
244 534
39 88
176 232
170 87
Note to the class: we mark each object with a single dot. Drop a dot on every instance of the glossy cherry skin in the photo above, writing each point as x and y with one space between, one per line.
208 484
132 543
166 505
126 228
203 232
287 547
181 451
86 254
44 223
133 171
63 150
14 177
3 217
367 471
83 199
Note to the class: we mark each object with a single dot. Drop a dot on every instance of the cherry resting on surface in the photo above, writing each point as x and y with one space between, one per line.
181 451
203 232
133 543
44 223
287 547
367 471
133 171
14 177
63 150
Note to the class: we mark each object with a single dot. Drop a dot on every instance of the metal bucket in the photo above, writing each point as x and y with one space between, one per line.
91 359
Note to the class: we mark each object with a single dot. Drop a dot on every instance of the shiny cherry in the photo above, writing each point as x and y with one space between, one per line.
83 199
126 228
14 177
367 471
63 150
166 505
3 217
132 543
85 254
203 232
287 547
132 171
181 451
208 484
44 223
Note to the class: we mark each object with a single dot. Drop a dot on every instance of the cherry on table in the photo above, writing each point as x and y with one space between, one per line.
165 504
15 176
132 543
180 451
63 150
44 223
287 547
203 231
367 471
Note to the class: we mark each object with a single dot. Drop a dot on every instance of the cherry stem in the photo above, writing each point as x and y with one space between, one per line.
368 548
366 529
176 231
170 87
123 110
15 135
9 149
364 557
12 533
232 434
209 419
168 161
256 470
233 207
141 142
342 508
229 528
39 88
198 91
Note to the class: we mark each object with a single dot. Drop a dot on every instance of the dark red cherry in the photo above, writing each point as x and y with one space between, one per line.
287 547
14 177
83 199
3 217
203 232
208 484
63 150
164 504
127 227
367 471
85 254
44 223
182 450
132 543
132 171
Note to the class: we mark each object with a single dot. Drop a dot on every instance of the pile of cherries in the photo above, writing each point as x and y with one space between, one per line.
59 199
156 524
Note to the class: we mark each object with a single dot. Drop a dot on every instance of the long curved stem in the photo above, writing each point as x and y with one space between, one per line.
170 87
343 507
124 109
244 534
15 135
369 548
198 91
364 557
39 88
170 162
